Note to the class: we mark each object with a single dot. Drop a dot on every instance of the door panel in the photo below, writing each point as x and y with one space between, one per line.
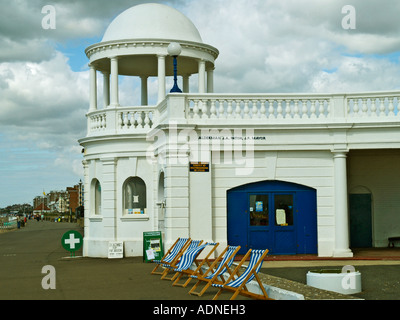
258 221
284 226
360 220
237 221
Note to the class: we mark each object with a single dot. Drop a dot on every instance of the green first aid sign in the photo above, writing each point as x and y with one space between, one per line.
72 240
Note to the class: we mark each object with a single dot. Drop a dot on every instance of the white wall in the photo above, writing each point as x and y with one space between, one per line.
113 224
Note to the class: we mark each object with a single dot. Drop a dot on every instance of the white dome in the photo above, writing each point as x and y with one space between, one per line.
152 21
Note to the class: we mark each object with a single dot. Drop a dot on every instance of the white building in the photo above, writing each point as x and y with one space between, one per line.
294 173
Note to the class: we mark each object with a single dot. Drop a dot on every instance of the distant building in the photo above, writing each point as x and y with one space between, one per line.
39 200
75 197
41 209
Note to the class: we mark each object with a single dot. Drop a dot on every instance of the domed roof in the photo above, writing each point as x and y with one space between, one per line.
152 21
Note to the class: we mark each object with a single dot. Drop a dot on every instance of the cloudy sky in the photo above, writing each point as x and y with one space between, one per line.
265 46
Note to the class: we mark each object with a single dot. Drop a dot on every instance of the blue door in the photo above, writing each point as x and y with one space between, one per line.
273 215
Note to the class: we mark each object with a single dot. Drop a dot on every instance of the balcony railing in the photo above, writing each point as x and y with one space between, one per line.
248 109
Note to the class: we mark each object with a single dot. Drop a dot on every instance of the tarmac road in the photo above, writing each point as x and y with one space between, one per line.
24 252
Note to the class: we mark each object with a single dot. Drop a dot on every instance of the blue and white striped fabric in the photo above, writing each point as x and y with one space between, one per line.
255 256
193 245
175 250
189 256
218 271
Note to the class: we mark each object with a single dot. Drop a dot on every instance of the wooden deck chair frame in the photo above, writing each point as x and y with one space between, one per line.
169 267
173 253
179 274
247 275
220 266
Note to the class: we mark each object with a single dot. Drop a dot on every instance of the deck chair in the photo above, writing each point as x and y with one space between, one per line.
218 268
172 254
190 258
169 266
238 285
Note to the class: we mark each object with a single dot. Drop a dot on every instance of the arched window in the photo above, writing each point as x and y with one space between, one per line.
135 196
96 193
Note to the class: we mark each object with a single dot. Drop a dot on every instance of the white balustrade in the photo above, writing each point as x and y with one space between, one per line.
122 120
136 118
248 109
265 108
373 106
98 121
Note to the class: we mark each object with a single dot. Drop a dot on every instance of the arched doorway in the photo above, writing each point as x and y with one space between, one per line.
275 215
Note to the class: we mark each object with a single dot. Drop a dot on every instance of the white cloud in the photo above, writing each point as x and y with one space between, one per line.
265 46
287 46
43 108
45 96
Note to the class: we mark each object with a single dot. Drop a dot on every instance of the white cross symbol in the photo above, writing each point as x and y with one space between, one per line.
71 241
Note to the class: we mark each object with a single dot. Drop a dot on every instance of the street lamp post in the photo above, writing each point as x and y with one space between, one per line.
174 50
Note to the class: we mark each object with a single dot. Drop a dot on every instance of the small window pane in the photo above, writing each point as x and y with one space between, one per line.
283 209
135 196
258 210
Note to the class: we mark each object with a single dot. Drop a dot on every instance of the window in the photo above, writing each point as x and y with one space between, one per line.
259 210
135 196
283 209
97 196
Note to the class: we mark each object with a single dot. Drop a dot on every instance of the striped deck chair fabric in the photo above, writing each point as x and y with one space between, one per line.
172 253
189 258
194 244
225 263
176 249
238 285
228 257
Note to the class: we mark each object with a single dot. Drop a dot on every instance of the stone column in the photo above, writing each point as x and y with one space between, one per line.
177 214
161 78
93 88
106 89
210 80
114 82
185 83
202 76
144 101
341 207
108 199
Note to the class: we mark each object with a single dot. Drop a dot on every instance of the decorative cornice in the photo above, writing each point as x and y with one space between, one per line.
149 43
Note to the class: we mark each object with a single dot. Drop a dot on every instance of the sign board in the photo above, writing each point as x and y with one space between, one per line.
152 246
115 250
72 241
199 167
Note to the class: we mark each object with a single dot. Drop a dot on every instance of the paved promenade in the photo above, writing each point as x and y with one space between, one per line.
24 252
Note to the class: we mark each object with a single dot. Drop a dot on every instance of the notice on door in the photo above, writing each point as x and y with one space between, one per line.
280 217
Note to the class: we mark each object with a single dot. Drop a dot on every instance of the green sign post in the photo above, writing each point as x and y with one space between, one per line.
72 241
152 246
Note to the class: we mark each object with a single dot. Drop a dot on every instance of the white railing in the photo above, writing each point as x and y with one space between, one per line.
257 107
135 118
383 105
122 120
248 109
